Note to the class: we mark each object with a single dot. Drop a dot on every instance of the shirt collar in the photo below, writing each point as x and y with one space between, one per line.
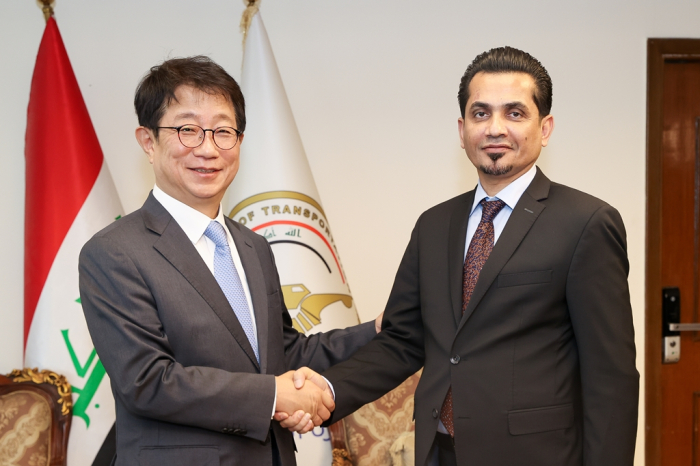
192 221
510 194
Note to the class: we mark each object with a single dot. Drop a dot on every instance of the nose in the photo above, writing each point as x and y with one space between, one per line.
207 148
496 127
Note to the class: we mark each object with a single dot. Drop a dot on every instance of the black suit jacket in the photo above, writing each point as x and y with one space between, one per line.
541 364
187 386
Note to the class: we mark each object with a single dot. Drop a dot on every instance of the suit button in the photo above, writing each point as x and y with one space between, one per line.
239 431
225 430
435 413
455 359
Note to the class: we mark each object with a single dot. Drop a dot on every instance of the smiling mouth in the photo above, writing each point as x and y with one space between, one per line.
204 170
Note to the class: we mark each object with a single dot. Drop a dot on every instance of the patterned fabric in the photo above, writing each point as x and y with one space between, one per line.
230 282
25 422
479 250
374 429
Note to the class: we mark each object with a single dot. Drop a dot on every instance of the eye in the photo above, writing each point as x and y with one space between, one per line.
479 114
516 114
187 129
225 131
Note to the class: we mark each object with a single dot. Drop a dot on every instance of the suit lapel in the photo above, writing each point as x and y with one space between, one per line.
177 249
521 220
256 285
457 238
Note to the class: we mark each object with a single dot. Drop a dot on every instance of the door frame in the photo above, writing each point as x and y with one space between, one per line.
658 52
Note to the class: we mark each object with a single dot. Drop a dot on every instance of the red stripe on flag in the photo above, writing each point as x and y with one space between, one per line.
304 225
63 160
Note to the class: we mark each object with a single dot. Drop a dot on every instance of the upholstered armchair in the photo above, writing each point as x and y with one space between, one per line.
380 433
35 418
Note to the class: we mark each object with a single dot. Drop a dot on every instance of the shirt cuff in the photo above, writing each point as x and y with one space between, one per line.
274 403
330 385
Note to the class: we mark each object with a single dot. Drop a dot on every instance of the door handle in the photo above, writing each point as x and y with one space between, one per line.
672 328
694 327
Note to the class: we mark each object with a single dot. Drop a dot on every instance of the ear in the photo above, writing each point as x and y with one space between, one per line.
147 141
547 125
460 128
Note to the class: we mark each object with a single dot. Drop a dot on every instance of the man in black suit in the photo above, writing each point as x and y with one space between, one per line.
513 297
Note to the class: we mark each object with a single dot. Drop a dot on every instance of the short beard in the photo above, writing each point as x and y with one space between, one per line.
495 170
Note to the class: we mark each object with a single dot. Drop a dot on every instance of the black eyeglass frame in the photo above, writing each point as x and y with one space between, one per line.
213 134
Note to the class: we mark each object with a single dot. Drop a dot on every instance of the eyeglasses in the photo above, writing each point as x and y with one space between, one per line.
192 136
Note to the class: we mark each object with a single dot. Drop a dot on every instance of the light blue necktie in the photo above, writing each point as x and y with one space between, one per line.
230 282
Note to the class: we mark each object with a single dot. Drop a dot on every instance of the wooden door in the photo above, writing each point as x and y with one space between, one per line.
673 249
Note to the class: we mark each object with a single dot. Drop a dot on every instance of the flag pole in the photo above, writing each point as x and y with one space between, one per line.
252 7
46 7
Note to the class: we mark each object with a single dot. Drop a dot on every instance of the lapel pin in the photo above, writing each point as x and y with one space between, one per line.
528 210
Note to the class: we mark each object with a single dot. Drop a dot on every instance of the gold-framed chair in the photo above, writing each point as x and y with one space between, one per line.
35 417
380 433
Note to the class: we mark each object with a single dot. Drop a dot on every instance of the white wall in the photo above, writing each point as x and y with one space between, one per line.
373 87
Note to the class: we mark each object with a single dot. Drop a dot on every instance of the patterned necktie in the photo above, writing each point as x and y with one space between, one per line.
230 282
479 249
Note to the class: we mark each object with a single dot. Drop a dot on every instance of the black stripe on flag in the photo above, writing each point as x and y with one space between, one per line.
108 450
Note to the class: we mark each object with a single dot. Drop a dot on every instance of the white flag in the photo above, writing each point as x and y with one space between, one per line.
274 194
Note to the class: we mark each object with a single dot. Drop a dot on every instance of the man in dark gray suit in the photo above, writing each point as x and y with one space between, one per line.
513 297
184 305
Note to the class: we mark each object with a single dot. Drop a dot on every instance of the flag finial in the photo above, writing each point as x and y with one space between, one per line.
252 7
47 7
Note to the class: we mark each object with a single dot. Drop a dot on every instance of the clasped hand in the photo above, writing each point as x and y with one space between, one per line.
310 403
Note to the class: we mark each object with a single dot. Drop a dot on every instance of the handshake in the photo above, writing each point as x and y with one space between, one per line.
309 403
300 405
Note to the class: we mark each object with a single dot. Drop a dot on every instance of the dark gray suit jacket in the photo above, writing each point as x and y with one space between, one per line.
541 364
187 386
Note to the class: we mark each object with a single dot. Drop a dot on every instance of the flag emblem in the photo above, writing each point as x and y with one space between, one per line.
315 289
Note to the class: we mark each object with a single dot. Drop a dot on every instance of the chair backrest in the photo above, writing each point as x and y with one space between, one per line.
380 432
35 417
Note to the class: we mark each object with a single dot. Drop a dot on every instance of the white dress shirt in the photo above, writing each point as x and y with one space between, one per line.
510 195
194 223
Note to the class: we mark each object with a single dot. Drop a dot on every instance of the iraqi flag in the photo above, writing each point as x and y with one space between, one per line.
69 197
275 195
